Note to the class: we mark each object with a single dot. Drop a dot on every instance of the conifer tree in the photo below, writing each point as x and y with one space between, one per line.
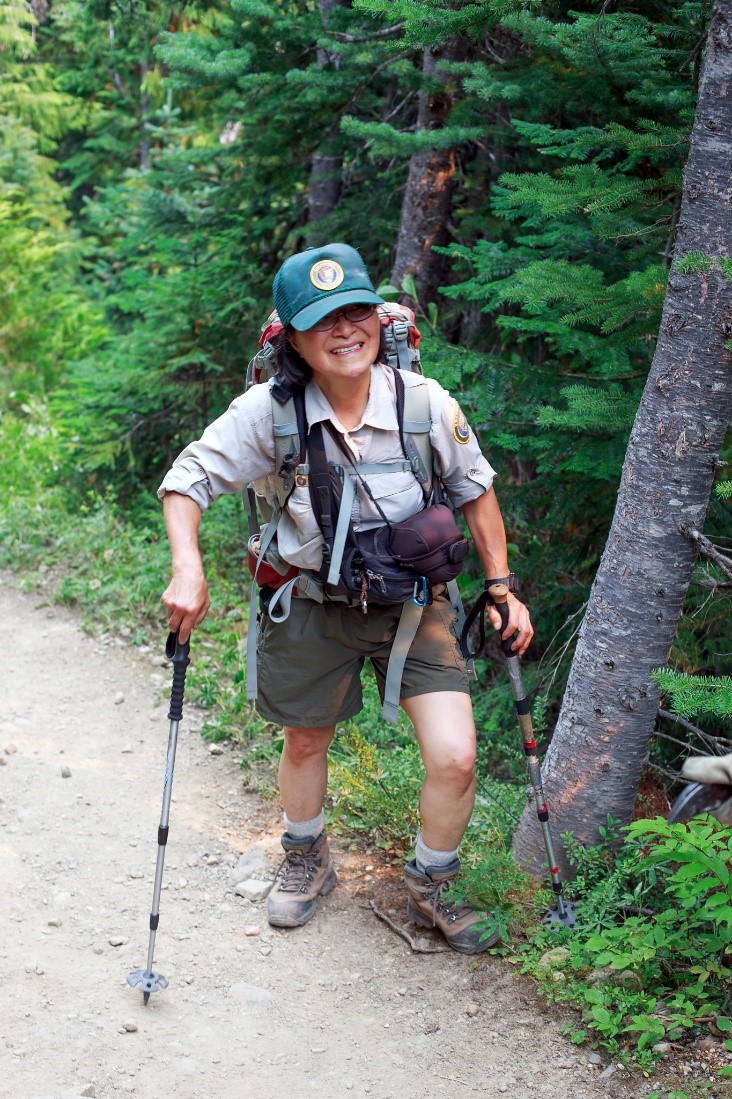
428 194
326 181
42 315
608 714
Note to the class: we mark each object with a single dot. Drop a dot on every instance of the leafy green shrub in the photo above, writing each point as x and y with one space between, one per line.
375 778
652 957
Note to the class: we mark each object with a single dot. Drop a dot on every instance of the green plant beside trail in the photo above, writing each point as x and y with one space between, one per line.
652 960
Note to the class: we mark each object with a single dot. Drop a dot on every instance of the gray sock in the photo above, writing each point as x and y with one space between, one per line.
425 856
299 829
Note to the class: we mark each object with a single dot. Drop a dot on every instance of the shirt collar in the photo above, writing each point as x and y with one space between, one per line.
380 411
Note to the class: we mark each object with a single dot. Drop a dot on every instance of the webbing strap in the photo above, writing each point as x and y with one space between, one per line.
289 428
279 605
373 468
345 510
409 621
456 600
341 531
269 533
252 645
401 338
415 431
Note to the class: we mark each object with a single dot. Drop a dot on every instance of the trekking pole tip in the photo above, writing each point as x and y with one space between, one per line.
149 982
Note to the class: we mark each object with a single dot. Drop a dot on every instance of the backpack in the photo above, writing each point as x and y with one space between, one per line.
275 577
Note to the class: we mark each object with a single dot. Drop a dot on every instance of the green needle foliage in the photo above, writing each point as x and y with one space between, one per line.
42 312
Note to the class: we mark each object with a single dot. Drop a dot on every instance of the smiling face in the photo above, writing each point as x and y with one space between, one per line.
341 353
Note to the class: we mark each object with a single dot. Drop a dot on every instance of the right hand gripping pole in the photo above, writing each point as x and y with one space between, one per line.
178 654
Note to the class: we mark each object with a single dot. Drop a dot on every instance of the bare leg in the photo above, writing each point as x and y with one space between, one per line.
303 771
445 730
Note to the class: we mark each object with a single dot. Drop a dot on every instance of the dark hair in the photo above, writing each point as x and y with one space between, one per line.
292 368
289 363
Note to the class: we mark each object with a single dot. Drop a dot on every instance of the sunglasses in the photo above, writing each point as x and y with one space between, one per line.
355 314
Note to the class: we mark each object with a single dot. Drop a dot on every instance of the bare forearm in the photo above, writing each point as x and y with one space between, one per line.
485 524
182 522
186 597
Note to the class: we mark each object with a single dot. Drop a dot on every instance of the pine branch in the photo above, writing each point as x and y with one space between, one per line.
385 32
717 744
708 549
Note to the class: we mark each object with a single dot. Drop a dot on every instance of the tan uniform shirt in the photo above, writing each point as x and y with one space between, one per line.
238 448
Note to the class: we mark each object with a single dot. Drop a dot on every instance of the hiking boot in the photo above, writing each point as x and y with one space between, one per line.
307 873
463 927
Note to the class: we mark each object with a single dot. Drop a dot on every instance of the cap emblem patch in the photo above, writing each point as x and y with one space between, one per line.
326 274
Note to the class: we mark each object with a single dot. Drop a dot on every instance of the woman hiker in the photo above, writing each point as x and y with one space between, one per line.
308 661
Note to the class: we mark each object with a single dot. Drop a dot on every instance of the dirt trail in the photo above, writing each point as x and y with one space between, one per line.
341 1007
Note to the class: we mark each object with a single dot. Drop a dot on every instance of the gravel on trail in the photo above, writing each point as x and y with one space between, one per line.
342 1007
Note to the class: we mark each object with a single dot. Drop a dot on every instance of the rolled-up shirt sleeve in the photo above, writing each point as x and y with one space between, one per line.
235 449
459 461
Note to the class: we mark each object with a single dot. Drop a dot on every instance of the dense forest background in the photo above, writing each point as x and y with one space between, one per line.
511 169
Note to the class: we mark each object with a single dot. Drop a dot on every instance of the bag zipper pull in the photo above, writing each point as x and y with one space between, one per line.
364 593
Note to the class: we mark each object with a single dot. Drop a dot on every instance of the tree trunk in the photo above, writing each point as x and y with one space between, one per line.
427 202
326 180
600 745
324 192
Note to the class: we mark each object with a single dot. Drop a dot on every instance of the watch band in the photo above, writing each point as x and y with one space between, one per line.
511 582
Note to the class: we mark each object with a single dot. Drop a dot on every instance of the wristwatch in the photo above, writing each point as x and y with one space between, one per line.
511 582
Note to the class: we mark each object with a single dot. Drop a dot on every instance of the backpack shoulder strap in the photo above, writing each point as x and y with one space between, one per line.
413 414
289 424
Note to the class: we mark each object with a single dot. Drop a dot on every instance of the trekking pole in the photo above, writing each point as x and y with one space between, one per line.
564 912
148 980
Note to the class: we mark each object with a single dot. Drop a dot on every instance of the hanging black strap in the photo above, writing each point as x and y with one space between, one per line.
477 613
321 488
399 387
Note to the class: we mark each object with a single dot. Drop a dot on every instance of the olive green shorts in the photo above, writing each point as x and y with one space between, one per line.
308 667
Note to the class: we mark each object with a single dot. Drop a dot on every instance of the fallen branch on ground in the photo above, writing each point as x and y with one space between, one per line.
414 943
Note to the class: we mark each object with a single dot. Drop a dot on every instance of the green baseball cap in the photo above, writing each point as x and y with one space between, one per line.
313 283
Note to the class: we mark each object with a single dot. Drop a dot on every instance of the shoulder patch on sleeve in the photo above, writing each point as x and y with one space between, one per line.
460 429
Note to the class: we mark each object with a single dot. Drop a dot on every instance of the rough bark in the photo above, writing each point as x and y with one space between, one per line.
600 745
427 202
326 179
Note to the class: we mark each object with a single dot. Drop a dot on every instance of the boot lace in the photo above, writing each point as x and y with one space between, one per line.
452 911
298 872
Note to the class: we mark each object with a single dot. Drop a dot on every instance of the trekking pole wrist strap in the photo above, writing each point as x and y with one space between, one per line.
496 593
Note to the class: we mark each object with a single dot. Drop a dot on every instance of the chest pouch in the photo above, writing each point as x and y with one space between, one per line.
384 565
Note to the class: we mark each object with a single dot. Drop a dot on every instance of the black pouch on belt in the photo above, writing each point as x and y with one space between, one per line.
429 543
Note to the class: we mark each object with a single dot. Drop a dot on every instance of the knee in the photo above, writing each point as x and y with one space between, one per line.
458 767
304 745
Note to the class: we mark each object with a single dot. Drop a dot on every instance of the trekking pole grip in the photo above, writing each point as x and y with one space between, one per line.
498 595
178 654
